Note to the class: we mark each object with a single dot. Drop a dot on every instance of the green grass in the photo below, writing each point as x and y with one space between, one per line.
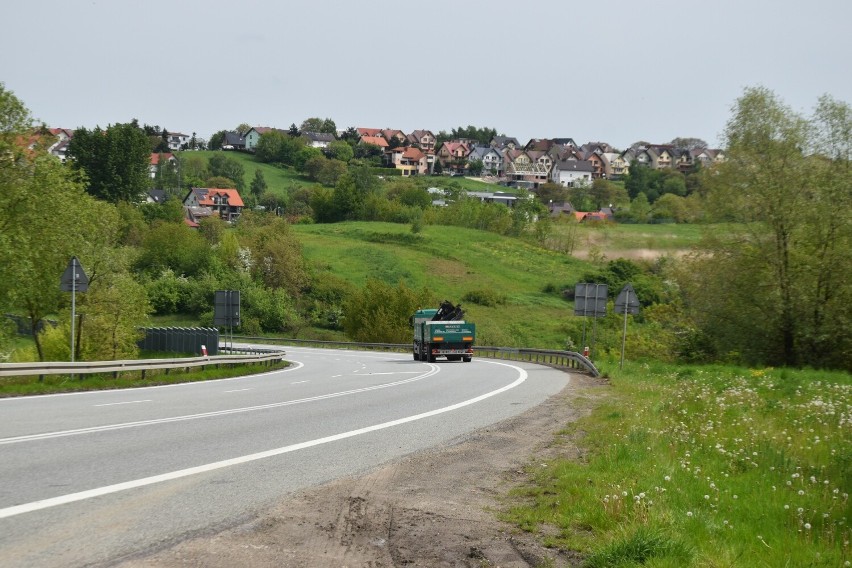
279 180
713 466
451 263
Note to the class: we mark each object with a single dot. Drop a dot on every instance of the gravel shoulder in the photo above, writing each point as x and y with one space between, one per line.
433 508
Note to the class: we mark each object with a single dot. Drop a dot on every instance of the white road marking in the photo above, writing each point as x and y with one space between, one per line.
299 382
49 435
239 390
100 491
128 402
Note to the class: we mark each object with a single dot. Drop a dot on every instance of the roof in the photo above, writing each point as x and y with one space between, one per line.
233 139
369 132
575 166
375 141
319 136
157 195
205 196
155 157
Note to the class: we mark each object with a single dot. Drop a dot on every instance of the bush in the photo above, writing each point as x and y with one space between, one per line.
484 298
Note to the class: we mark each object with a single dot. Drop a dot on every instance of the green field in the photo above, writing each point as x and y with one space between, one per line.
452 262
279 180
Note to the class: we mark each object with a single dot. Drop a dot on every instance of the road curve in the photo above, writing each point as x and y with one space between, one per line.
92 478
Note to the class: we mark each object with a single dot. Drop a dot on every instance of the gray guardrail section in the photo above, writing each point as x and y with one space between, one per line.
90 367
553 358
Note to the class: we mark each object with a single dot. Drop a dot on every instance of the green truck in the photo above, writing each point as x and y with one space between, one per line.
443 333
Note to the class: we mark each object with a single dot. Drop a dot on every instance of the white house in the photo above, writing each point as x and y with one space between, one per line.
571 173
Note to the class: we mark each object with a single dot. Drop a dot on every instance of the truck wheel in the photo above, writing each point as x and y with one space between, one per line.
430 358
416 356
466 359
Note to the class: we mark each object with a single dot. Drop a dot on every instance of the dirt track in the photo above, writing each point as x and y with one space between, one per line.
434 508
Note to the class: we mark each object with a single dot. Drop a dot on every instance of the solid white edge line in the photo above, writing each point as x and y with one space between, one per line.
100 491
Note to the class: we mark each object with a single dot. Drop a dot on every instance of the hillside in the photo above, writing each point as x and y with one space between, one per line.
279 180
453 262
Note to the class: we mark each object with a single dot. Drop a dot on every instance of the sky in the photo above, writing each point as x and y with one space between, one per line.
616 71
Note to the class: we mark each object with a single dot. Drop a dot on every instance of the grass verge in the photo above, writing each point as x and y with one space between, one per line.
53 384
703 466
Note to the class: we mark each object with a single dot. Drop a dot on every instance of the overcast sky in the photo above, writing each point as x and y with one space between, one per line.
615 71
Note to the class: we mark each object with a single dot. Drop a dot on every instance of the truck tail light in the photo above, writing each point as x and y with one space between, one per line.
437 339
467 338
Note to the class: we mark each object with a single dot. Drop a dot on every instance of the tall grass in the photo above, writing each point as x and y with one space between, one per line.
713 466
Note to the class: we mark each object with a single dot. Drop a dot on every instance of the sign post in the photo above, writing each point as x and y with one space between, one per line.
73 280
590 300
226 310
627 303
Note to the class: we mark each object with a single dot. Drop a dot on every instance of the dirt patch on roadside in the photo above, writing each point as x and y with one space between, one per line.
434 508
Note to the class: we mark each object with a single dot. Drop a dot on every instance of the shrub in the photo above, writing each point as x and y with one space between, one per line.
484 298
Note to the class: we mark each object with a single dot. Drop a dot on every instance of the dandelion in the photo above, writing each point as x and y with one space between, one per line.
706 497
801 492
807 526
668 478
689 513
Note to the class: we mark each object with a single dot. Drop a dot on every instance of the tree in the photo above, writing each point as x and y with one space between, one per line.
223 166
688 143
294 131
258 184
474 167
115 161
326 126
340 150
217 140
774 288
605 193
243 128
36 242
380 312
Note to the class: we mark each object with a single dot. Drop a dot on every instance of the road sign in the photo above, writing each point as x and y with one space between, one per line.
74 278
627 302
590 299
226 308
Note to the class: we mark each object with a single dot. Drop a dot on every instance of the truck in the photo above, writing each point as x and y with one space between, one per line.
443 332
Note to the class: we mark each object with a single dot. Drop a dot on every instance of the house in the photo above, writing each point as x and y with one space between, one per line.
507 199
254 134
369 132
615 165
318 139
572 173
423 139
411 160
503 142
492 160
522 169
226 203
156 196
453 155
178 140
394 137
233 141
155 164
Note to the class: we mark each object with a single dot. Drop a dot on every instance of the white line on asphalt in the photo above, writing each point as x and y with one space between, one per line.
299 382
100 491
49 435
117 403
239 390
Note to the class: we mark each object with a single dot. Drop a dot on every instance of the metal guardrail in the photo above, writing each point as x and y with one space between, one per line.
93 367
553 358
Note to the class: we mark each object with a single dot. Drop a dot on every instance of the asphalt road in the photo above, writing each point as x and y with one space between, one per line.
90 479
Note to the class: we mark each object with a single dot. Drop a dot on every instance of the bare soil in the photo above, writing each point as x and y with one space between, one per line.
434 508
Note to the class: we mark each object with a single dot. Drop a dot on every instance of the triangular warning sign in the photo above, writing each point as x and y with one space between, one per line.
74 279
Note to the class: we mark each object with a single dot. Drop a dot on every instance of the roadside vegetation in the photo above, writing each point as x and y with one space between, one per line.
702 466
